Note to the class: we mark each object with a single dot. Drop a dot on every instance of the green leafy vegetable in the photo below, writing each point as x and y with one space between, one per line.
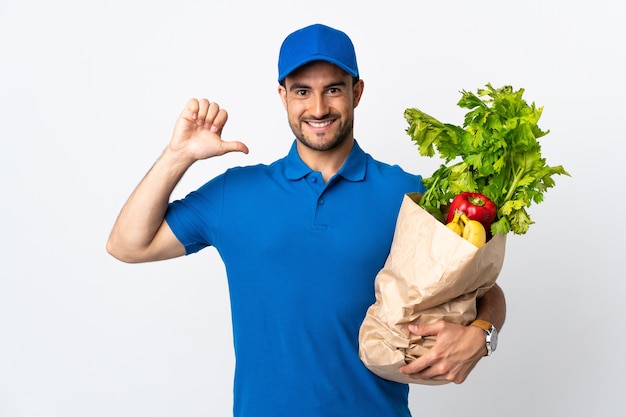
495 153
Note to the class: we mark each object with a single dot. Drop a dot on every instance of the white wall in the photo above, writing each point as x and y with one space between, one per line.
89 92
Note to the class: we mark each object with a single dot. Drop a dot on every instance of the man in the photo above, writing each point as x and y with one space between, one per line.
302 240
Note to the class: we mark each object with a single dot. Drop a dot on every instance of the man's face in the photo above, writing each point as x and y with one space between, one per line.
320 100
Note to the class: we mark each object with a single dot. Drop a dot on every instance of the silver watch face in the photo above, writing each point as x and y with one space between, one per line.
492 339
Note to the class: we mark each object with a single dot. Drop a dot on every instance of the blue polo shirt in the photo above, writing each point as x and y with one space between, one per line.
301 258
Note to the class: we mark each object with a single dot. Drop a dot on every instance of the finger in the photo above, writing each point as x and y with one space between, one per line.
203 109
421 329
423 375
191 109
423 370
211 114
219 121
234 146
416 366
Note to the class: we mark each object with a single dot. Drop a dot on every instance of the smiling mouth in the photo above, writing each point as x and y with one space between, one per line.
319 125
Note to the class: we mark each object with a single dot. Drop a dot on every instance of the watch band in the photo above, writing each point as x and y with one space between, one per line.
485 325
491 334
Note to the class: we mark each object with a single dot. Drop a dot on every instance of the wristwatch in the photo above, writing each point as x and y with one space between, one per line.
491 334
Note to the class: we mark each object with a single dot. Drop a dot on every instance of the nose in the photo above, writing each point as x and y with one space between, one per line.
319 106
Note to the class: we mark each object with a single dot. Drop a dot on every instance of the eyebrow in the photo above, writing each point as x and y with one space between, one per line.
298 86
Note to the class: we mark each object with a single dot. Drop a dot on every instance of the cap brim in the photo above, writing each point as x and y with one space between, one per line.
319 57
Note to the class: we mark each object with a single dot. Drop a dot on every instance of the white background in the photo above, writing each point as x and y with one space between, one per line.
89 93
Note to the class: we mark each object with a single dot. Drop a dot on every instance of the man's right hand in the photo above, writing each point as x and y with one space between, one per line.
140 233
198 132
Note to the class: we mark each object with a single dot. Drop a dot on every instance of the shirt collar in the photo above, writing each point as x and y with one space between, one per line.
352 170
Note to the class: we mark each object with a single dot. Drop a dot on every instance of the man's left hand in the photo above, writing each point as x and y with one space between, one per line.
456 351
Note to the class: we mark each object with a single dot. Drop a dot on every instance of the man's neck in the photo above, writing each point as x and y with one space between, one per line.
329 162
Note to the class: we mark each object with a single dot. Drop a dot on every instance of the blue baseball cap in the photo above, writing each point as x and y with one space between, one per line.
316 43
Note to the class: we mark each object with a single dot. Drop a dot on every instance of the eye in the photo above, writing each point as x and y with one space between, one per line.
302 92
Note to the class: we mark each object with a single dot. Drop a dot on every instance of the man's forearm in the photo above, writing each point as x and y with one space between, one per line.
142 216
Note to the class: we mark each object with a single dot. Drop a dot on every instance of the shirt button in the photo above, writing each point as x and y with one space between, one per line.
313 179
321 202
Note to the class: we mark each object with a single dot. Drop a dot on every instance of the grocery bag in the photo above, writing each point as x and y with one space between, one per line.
430 274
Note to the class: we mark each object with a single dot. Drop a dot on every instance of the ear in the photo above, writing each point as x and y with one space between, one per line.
282 92
357 92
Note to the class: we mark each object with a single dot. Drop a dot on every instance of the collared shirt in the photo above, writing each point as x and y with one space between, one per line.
301 257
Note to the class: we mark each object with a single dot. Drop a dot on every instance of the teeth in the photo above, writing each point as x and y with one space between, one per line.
319 124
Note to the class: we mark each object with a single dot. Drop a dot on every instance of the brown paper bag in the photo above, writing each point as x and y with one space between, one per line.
431 273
